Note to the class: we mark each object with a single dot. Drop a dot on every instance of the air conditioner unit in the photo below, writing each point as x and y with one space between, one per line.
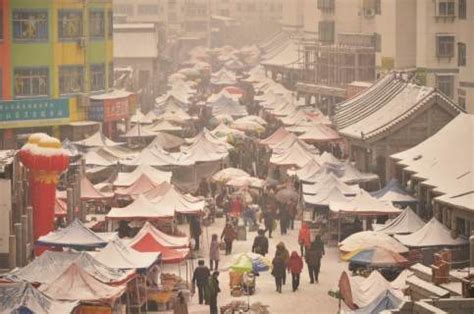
369 12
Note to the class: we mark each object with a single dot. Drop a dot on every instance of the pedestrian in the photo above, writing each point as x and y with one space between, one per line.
229 235
203 187
214 252
313 259
268 221
200 278
180 306
260 243
212 292
285 255
291 215
284 219
278 271
304 238
295 266
195 231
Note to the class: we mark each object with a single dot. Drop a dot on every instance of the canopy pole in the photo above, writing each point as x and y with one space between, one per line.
339 228
138 294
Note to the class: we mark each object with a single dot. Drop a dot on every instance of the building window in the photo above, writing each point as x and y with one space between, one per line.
461 54
31 82
30 25
110 24
126 9
148 9
446 8
326 31
111 75
326 5
445 83
96 24
69 24
445 46
462 9
378 7
71 79
97 77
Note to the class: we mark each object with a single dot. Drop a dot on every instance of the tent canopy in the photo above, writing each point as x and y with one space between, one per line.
141 208
130 178
96 140
369 239
164 239
365 205
407 222
394 192
148 242
76 235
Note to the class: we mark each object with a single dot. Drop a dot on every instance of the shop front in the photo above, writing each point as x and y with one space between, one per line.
112 109
25 116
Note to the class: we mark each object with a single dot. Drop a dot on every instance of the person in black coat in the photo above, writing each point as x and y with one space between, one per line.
200 279
260 243
313 258
268 222
195 230
284 219
279 271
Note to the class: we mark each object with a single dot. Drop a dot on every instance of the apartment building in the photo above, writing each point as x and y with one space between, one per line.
429 38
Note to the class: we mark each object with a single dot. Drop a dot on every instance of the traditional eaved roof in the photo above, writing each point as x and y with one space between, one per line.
386 105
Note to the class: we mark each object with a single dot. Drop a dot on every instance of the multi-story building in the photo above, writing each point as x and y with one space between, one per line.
430 38
53 56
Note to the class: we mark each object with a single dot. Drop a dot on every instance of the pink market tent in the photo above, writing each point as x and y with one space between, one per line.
130 178
75 284
367 239
320 133
22 297
163 238
330 180
433 233
158 191
118 256
276 137
141 185
149 243
76 235
363 204
45 268
88 192
140 209
405 223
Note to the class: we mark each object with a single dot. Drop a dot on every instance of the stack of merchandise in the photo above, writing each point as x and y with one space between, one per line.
241 306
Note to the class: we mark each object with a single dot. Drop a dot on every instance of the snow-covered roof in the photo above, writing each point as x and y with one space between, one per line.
166 126
330 180
319 133
385 105
139 117
227 106
325 196
407 222
288 57
115 94
74 235
433 233
96 140
223 77
394 193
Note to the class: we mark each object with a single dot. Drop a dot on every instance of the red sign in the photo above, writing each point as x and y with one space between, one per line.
116 109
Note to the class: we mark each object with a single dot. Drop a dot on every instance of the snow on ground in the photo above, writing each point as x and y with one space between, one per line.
308 299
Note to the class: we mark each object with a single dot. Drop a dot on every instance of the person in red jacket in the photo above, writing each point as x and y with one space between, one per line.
295 266
304 238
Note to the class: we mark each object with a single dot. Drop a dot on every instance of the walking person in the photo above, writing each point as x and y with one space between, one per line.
313 259
304 238
200 279
285 255
268 221
279 270
212 292
229 235
284 219
214 252
195 231
295 266
260 243
291 215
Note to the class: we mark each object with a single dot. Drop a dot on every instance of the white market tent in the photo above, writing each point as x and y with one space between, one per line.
141 185
368 239
139 117
139 131
164 239
325 196
276 137
118 256
296 155
75 284
173 200
76 235
166 141
96 140
45 268
227 174
165 126
309 170
223 77
203 150
23 297
407 222
433 233
227 106
94 158
223 131
156 157
363 204
155 175
330 180
140 209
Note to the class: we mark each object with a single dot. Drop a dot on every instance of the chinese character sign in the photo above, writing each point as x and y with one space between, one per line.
34 109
